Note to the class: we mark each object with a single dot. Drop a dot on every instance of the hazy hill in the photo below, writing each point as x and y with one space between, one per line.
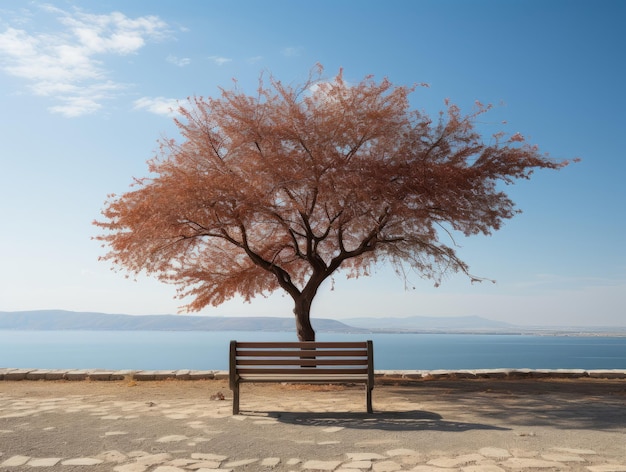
70 320
66 320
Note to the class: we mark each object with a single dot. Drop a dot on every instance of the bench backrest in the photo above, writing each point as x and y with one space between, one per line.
302 358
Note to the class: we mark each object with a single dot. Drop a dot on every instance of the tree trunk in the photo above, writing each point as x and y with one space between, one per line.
302 311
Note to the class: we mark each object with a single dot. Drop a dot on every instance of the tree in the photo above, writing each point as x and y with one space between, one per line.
286 187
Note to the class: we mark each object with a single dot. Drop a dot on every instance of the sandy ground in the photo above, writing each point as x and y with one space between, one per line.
538 419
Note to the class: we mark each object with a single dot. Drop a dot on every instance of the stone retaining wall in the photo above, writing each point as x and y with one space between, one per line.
382 375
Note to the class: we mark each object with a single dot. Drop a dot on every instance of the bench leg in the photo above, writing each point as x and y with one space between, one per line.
236 399
369 399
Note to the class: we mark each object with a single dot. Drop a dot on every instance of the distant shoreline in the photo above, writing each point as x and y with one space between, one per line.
530 332
60 320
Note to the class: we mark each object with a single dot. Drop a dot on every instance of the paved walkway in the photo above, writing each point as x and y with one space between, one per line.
434 426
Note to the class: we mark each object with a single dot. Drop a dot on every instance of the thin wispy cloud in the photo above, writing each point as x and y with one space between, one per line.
158 105
69 64
178 61
219 60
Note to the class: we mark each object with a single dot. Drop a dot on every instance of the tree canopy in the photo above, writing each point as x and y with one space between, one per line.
280 189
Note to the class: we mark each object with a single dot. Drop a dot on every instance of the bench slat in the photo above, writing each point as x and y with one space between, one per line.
293 378
301 362
300 353
302 345
302 371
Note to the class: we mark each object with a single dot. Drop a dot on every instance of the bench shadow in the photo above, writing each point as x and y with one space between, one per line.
412 420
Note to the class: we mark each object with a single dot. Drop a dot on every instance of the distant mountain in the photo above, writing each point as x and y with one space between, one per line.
429 323
43 320
71 320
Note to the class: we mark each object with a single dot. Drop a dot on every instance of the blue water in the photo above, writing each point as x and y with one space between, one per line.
208 350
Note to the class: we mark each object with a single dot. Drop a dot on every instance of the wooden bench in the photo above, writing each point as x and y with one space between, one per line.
301 362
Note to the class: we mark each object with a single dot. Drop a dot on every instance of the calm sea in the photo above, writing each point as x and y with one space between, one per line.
208 350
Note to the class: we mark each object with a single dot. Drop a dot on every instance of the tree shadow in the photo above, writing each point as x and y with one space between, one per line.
561 405
415 420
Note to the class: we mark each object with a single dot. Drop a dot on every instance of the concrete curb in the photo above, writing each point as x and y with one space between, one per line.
382 375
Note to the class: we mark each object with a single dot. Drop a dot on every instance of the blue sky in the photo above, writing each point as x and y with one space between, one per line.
86 89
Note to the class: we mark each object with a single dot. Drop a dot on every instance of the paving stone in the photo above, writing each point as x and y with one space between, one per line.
100 375
55 375
181 462
482 468
204 465
431 468
76 375
360 465
386 466
130 468
168 468
201 375
15 461
240 463
38 374
607 468
44 462
409 460
364 456
523 453
154 459
494 452
458 461
164 374
215 470
16 374
270 461
569 450
112 456
402 452
530 463
293 461
321 465
182 374
562 458
82 461
208 457
135 454
172 438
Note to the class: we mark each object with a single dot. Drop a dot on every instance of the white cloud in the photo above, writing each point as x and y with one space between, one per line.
76 106
158 105
69 65
178 61
220 61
